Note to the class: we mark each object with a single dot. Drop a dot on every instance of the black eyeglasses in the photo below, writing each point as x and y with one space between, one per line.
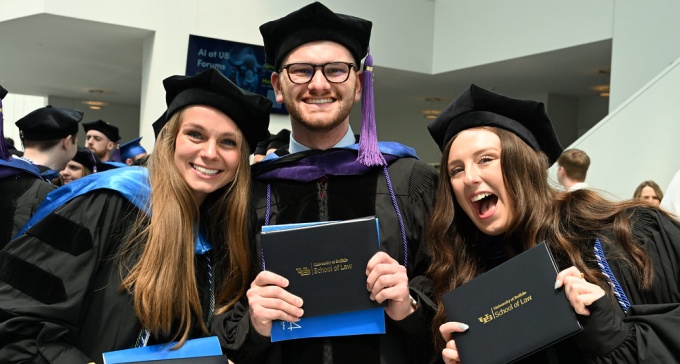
301 73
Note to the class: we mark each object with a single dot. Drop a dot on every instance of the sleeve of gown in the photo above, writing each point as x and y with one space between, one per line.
44 277
241 344
648 332
415 328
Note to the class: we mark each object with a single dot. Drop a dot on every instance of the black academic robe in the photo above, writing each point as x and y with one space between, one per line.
648 331
22 193
333 197
60 301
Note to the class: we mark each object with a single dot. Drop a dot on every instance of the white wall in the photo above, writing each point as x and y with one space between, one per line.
646 40
638 141
471 33
15 107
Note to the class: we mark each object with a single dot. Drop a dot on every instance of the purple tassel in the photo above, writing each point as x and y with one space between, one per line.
369 152
4 152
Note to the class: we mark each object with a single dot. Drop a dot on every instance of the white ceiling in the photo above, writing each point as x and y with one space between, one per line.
58 56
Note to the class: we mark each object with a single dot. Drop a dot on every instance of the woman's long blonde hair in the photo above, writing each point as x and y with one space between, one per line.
163 279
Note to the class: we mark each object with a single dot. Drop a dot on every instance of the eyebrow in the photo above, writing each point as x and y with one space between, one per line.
195 125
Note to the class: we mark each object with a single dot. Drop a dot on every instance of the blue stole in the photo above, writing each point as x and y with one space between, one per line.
131 182
14 166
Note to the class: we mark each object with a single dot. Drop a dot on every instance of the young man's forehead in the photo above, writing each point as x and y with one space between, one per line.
303 52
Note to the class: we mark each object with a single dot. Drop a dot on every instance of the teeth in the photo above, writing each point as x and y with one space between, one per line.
320 101
210 172
480 196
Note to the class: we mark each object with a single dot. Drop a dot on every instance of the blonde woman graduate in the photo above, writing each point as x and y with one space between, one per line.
135 256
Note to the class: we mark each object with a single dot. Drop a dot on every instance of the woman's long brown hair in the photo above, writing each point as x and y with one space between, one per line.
567 222
163 279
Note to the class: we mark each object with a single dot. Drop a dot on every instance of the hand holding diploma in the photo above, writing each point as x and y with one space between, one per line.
268 301
388 281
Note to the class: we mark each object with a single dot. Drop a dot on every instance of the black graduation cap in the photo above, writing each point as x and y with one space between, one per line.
312 23
249 111
49 123
87 158
111 131
131 149
158 124
479 107
274 141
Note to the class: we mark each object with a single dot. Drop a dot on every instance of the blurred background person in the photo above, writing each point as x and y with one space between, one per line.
84 163
572 168
649 191
102 138
132 151
274 142
50 136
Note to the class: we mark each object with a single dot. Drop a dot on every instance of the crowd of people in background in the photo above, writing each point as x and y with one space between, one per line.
105 246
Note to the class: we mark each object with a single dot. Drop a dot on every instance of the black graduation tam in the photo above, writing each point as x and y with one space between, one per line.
311 23
131 149
479 107
249 111
103 127
158 124
49 123
3 92
275 141
88 159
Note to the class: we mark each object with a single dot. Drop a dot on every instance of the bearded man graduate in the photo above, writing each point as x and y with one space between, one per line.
325 175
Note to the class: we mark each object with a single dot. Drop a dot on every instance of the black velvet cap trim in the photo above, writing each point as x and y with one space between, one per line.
248 110
49 123
33 281
72 238
311 23
111 131
477 107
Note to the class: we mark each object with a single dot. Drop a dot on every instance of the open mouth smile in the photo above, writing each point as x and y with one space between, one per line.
484 204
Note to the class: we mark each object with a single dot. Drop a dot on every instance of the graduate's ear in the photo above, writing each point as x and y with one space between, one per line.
360 81
276 85
67 141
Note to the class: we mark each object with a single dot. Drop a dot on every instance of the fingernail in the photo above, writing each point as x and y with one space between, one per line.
557 284
463 326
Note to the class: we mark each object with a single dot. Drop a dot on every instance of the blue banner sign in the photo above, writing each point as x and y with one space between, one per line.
242 63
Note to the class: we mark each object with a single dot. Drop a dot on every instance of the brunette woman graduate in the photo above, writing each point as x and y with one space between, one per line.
619 261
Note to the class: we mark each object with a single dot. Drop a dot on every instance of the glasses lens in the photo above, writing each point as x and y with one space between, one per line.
336 72
300 72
